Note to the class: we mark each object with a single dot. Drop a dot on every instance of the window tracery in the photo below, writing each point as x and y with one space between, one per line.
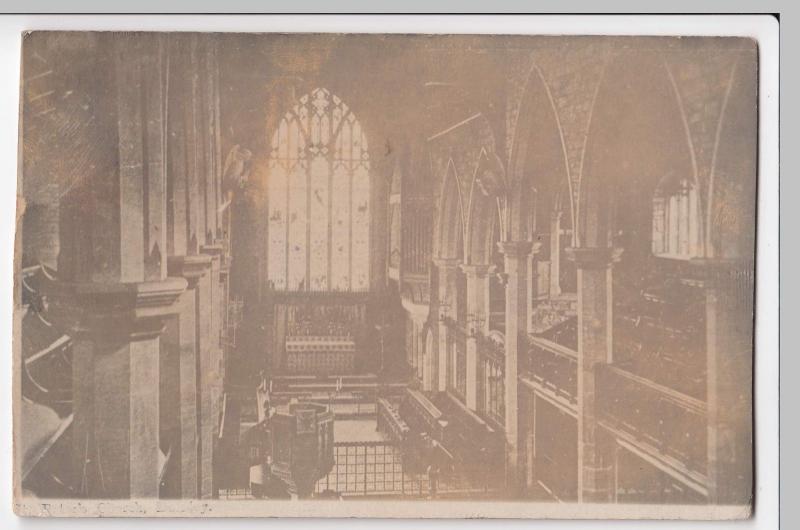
319 195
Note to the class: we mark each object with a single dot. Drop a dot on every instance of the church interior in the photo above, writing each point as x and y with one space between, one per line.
278 266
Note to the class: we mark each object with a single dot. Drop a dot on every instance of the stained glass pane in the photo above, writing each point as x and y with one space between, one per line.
281 141
356 141
320 173
346 141
276 261
364 148
360 235
298 221
340 229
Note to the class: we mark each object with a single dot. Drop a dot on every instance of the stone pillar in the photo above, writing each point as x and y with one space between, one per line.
539 271
203 207
206 114
224 281
416 348
478 309
515 255
447 308
195 334
555 254
207 139
179 398
210 368
595 326
430 379
217 258
114 293
532 289
220 310
530 443
729 341
116 328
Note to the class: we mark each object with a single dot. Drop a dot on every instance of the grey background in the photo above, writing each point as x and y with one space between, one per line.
790 487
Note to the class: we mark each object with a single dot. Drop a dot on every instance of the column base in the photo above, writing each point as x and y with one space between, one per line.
115 373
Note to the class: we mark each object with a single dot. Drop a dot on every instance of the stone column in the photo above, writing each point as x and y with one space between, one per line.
217 258
211 359
447 308
539 273
114 293
478 309
430 381
179 398
188 230
224 280
194 334
205 121
210 363
115 369
595 326
555 254
533 292
729 342
530 442
515 255
416 349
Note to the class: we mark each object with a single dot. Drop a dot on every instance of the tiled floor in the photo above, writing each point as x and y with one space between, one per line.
357 431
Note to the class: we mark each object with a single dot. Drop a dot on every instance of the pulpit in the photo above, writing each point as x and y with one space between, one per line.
291 449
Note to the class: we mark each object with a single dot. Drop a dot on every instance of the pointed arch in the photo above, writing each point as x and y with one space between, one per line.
538 155
484 207
451 219
318 169
627 166
732 182
714 155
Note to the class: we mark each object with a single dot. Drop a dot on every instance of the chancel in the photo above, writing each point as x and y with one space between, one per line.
275 266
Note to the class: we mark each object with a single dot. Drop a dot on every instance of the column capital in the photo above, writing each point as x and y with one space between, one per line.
518 249
127 311
225 255
480 270
224 268
447 263
191 267
215 250
594 257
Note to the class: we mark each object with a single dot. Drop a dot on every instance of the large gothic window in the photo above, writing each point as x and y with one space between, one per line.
318 192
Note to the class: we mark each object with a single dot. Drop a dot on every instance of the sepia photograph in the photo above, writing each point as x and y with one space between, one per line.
282 273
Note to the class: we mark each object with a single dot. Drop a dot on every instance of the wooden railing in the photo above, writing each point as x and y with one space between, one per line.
671 356
553 366
423 415
475 443
671 422
390 422
356 295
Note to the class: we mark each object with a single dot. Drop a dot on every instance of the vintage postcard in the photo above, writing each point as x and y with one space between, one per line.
385 275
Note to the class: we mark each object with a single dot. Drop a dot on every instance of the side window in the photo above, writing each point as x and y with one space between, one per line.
676 231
